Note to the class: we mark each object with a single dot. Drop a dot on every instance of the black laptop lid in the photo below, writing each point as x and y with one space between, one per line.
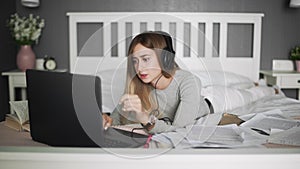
53 97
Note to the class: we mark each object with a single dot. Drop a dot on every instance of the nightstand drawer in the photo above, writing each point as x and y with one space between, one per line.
19 81
292 82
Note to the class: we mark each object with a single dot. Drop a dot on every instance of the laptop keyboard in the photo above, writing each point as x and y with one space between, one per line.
122 139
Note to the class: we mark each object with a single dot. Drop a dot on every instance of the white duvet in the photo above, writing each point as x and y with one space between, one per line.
257 105
288 106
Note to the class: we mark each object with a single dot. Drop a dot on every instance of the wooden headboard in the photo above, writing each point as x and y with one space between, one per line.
203 41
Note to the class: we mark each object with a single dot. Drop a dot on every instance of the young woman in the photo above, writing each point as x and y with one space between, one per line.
158 94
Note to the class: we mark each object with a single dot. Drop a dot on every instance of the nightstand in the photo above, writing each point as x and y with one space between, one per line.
283 79
16 79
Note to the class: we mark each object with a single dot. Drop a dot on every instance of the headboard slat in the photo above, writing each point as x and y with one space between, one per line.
135 28
179 39
223 39
209 39
121 39
165 26
194 39
107 36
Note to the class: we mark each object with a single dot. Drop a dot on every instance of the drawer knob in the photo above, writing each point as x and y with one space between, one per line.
298 81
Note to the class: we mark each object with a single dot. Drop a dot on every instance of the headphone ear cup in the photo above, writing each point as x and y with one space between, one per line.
167 59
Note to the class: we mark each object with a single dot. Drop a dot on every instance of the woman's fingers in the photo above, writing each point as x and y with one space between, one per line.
107 121
131 103
128 97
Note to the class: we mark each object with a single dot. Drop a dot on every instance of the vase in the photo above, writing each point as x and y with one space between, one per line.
26 58
298 65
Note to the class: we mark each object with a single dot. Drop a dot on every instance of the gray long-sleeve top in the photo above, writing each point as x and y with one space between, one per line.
181 102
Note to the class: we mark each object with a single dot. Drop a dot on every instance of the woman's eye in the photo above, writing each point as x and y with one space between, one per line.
146 59
134 61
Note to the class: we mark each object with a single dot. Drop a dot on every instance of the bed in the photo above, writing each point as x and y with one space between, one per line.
98 43
222 49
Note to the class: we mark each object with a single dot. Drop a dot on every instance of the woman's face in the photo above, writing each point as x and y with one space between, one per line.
146 65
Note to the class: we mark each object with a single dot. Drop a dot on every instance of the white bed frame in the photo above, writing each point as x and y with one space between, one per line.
247 66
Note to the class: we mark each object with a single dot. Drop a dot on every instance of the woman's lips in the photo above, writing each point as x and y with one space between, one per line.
143 76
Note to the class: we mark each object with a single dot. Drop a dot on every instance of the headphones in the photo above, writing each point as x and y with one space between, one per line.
168 54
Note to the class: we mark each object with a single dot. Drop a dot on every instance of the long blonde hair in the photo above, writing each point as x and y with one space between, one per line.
134 85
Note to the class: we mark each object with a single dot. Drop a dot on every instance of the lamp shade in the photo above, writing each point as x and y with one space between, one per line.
30 3
295 3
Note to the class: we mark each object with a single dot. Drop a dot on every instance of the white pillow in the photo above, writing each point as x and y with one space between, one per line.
223 78
259 92
246 85
225 98
113 84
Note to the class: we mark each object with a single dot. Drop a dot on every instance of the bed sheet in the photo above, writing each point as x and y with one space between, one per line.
268 120
288 106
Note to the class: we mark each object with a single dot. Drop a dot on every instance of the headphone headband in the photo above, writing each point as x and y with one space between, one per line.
168 40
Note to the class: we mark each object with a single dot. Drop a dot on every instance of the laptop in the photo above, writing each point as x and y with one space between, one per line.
65 110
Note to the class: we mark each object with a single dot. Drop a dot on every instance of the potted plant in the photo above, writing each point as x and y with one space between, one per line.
26 32
295 55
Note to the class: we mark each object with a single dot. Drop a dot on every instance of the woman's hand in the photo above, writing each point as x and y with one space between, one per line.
106 120
132 103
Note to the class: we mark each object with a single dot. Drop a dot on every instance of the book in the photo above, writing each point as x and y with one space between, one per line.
20 119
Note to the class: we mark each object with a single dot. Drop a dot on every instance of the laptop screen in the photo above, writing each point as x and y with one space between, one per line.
65 110
62 106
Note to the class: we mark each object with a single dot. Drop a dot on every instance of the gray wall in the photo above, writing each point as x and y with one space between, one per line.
280 24
280 29
279 34
8 53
